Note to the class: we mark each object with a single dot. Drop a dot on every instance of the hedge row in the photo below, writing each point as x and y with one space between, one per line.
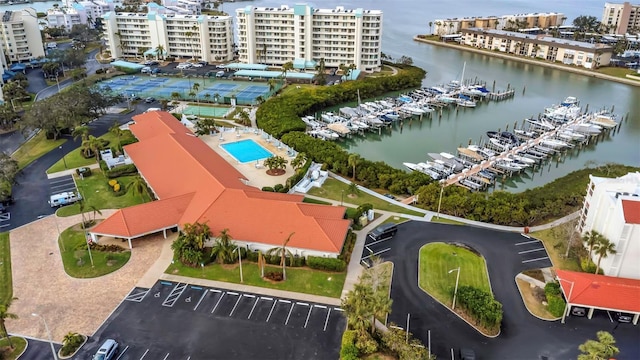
328 264
555 304
128 169
482 306
296 261
348 349
281 114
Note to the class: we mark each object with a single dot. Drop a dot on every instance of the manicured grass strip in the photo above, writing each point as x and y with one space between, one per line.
394 220
437 259
555 241
74 159
97 192
617 71
34 148
315 201
333 189
302 280
75 256
531 302
19 344
6 285
445 221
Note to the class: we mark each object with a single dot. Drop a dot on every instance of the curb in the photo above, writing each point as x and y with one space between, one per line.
525 304
25 347
86 338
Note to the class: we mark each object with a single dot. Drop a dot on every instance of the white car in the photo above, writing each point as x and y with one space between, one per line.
197 65
183 66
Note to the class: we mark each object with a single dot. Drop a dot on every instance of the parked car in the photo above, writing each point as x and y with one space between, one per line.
384 231
221 66
149 100
578 311
203 63
197 65
623 318
107 351
156 71
151 62
183 66
390 196
146 70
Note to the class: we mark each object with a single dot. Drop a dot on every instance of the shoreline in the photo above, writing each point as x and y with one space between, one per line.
530 61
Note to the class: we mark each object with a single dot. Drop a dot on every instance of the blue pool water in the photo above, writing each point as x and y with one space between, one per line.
246 150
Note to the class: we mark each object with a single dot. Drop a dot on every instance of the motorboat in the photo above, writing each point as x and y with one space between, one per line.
570 100
604 121
413 109
500 145
586 128
527 135
554 143
461 101
483 152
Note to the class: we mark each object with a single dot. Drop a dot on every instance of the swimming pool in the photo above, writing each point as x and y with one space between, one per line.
246 150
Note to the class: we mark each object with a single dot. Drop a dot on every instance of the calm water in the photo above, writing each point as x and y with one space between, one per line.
405 18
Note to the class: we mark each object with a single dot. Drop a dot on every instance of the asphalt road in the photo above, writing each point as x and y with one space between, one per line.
180 321
523 336
39 350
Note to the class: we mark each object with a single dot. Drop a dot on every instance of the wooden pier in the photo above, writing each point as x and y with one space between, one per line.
498 96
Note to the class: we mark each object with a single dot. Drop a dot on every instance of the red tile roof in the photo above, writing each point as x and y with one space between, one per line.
600 291
176 164
631 211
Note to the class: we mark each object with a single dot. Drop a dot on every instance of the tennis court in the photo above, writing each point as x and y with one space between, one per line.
208 89
202 110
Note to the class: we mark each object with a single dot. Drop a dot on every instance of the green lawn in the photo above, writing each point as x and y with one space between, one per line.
75 256
74 159
617 71
291 88
437 259
315 201
445 221
556 244
333 189
395 220
6 285
302 280
35 148
19 344
97 192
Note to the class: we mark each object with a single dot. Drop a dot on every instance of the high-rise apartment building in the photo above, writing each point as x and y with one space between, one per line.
20 38
304 35
80 12
202 37
621 18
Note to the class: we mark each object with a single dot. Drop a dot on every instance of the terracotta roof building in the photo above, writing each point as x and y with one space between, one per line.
194 184
612 208
600 292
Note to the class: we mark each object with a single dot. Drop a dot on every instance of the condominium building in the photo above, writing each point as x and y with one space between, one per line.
303 35
208 38
521 21
612 208
82 12
545 47
621 18
21 39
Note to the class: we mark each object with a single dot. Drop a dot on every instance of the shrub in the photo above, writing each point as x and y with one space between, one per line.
555 305
274 275
113 182
111 248
587 265
71 343
482 306
103 166
347 247
116 187
278 188
128 140
268 188
329 264
348 349
552 289
121 171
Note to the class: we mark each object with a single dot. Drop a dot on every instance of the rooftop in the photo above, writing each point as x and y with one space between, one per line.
600 291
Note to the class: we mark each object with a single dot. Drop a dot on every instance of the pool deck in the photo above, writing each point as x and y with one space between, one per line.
257 176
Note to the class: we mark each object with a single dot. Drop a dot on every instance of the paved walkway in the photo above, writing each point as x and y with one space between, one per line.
69 171
67 304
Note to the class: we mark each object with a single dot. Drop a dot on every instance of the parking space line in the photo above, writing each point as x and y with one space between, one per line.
338 309
320 306
266 298
308 315
285 301
236 305
1 226
290 311
137 297
302 303
326 321
270 312
528 251
527 242
253 308
59 180
214 290
122 353
525 235
232 293
396 327
609 314
218 303
527 261
174 294
249 295
199 301
376 253
145 354
5 217
166 356
377 242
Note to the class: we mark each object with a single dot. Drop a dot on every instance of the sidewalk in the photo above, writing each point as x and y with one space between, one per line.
69 171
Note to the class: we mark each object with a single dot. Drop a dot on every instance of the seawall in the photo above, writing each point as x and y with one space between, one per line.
530 61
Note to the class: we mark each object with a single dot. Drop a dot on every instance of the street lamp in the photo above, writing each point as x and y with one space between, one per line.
342 198
53 350
566 306
240 260
455 292
440 200
63 159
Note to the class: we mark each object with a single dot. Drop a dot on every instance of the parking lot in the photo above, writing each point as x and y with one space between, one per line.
182 321
5 217
532 252
62 184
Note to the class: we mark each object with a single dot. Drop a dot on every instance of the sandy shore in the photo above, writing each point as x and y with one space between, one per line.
501 55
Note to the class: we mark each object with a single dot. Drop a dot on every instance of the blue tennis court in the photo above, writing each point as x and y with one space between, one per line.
246 150
208 89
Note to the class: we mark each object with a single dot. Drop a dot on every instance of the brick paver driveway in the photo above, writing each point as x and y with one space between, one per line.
67 304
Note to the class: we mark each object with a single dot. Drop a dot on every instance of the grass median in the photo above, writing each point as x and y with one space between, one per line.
302 280
437 275
97 193
76 259
6 285
34 148
19 345
339 191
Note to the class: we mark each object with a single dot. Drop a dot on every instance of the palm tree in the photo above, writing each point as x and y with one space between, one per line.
175 95
353 161
115 130
299 161
380 306
353 189
431 27
358 308
216 96
272 85
275 163
138 186
320 72
5 314
604 248
207 96
81 132
603 348
260 100
283 252
92 145
288 66
244 118
224 249
591 239
159 52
